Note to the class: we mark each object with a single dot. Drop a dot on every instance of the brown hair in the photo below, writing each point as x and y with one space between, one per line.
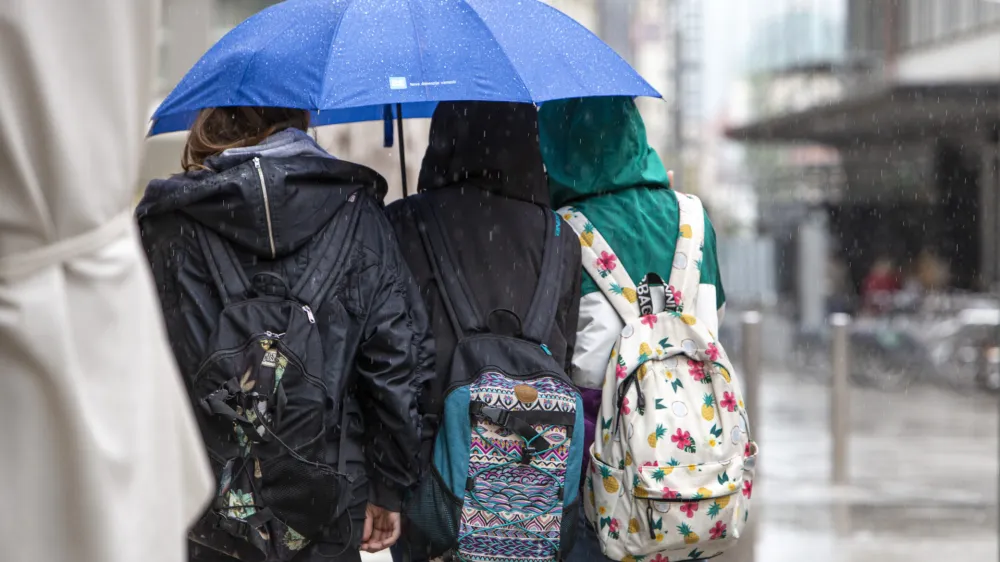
218 129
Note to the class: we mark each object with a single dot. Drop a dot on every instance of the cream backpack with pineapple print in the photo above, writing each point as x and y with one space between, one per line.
671 469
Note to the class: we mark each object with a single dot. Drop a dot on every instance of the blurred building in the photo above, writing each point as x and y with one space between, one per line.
913 110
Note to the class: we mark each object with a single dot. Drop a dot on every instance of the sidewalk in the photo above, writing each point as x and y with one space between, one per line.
924 475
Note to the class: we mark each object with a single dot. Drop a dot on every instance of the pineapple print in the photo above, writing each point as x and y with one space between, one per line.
587 238
628 458
629 558
686 231
641 371
645 350
704 493
626 292
660 473
610 482
605 430
690 537
654 438
717 506
670 466
708 407
633 526
637 489
713 510
688 319
724 372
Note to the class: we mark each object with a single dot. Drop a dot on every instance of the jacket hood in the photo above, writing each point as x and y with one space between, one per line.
595 146
489 145
299 196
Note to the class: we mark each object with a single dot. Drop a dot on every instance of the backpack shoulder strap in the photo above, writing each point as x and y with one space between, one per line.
227 273
545 302
324 271
600 261
685 274
462 311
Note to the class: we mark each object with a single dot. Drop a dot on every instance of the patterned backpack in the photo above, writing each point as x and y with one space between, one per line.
671 469
508 456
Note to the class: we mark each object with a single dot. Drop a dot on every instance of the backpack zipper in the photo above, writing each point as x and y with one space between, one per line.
267 205
309 313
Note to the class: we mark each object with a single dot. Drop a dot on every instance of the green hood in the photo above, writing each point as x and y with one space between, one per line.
598 160
595 146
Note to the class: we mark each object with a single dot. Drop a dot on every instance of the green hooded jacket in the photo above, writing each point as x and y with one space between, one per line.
598 160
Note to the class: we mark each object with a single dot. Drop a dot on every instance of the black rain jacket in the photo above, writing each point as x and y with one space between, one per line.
483 173
379 350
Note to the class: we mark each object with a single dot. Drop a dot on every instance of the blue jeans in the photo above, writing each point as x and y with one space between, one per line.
587 547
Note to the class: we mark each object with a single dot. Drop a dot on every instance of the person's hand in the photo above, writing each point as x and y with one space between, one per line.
382 528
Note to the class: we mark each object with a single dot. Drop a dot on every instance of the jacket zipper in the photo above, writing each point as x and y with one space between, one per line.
267 206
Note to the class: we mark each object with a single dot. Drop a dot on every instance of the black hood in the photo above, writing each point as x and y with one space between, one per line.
303 194
489 145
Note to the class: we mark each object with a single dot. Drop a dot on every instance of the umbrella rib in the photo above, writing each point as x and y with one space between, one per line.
503 49
420 50
329 53
253 57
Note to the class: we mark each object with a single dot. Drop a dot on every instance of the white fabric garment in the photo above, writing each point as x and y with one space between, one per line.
600 325
100 458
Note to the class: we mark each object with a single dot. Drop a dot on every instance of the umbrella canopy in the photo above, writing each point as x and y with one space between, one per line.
355 60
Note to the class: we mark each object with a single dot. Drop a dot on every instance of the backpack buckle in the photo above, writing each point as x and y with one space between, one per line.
502 417
498 416
529 451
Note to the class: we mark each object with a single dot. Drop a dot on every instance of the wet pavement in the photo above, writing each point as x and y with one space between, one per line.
923 467
924 477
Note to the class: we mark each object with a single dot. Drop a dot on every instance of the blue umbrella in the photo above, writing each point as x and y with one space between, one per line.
362 60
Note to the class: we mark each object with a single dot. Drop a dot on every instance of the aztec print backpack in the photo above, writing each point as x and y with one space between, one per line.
508 456
671 469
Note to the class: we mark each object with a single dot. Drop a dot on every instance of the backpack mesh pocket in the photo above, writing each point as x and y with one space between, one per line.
568 527
304 496
434 513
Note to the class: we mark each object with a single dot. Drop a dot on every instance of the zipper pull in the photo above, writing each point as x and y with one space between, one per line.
649 519
309 313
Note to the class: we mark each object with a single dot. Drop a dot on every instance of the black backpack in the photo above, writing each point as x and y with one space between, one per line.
264 408
504 481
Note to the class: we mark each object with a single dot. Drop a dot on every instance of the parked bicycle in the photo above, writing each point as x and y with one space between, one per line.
946 339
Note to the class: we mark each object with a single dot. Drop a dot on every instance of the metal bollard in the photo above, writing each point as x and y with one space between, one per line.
751 365
840 407
750 374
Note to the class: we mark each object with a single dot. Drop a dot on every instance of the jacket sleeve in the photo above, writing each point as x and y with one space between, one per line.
394 362
598 328
710 306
